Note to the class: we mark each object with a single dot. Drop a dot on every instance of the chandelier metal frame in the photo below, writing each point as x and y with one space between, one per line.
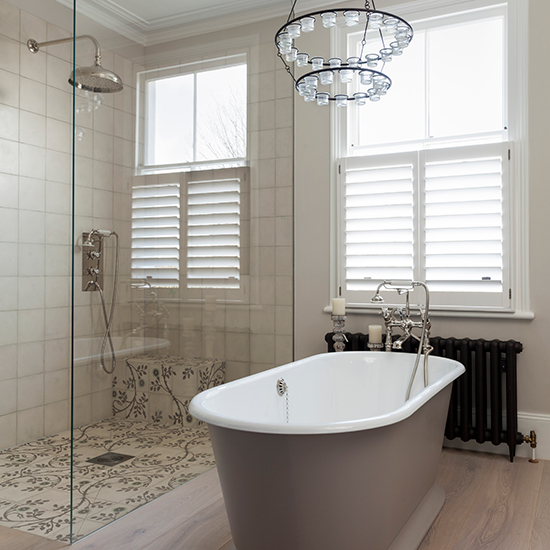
365 66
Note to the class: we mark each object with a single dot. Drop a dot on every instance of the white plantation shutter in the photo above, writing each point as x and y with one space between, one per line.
438 216
213 229
378 236
465 229
156 234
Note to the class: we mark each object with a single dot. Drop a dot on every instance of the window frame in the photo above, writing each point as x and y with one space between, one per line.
195 67
517 117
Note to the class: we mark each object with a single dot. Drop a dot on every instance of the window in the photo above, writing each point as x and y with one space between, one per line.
193 116
187 217
425 181
188 231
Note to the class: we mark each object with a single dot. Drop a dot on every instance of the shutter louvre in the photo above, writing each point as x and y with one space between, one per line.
213 233
156 234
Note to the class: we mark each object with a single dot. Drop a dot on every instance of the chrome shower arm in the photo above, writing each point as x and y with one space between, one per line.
35 46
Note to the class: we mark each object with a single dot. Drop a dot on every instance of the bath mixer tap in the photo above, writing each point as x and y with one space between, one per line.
399 317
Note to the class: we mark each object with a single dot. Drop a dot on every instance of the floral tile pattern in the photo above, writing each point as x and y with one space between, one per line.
35 487
160 387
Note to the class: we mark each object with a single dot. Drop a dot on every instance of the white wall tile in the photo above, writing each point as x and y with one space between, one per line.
9 122
8 296
9 22
31 260
32 129
32 194
33 65
237 347
30 359
58 135
32 226
33 27
8 322
56 322
30 424
9 191
58 72
57 261
31 293
64 51
8 431
103 147
58 198
82 409
58 104
58 166
58 228
32 161
32 96
56 354
10 88
9 60
58 292
8 396
30 325
9 156
262 348
56 386
30 391
8 225
56 417
8 250
8 362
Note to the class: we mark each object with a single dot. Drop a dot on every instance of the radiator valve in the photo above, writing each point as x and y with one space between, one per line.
532 440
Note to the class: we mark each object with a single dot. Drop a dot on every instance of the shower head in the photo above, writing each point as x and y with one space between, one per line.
96 79
92 79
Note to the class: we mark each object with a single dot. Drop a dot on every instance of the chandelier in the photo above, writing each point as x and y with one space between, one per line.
365 71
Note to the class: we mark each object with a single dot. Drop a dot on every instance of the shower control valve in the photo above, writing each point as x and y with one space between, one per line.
93 255
93 271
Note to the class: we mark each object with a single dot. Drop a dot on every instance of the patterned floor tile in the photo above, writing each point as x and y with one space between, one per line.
35 477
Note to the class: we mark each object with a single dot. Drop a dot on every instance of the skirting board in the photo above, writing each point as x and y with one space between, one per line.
526 422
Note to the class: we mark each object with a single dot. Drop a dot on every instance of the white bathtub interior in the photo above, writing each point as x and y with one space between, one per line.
326 393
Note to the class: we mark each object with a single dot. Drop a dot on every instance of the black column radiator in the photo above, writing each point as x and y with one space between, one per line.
483 403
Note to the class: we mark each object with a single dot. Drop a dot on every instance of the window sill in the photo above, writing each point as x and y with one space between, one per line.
512 315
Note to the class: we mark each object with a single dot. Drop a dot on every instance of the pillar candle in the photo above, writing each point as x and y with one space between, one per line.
338 306
375 334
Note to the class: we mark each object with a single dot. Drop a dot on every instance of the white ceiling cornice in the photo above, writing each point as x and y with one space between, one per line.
191 23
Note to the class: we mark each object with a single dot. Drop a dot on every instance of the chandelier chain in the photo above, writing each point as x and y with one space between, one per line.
291 15
287 68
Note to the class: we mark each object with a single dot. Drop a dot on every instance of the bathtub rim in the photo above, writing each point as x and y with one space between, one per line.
198 409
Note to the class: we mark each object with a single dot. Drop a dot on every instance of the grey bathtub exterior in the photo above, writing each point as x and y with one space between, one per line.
371 489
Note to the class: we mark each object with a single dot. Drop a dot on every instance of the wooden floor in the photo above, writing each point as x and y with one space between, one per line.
491 505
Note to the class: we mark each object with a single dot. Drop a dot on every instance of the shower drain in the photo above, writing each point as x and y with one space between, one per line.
109 459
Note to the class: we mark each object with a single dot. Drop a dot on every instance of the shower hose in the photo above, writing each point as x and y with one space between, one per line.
109 318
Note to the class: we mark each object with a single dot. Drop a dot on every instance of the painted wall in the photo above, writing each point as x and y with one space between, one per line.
312 228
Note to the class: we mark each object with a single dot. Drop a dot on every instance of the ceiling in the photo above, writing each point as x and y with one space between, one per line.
150 22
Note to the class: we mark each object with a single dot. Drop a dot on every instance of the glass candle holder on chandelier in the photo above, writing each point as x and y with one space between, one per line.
365 72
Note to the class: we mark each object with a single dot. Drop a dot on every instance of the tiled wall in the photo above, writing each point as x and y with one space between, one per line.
35 229
35 222
255 334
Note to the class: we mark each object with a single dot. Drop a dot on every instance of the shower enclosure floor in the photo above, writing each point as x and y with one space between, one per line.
35 477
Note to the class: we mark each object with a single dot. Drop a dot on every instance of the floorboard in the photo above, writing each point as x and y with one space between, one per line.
12 539
491 504
503 511
540 539
460 475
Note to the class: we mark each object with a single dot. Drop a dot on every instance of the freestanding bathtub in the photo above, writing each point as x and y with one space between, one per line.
339 460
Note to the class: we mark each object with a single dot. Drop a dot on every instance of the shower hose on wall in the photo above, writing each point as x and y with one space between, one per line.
97 235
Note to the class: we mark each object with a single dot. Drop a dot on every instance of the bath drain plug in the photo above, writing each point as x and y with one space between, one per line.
109 459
